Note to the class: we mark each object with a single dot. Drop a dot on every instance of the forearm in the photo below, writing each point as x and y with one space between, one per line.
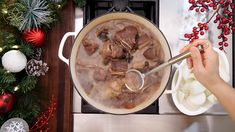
225 95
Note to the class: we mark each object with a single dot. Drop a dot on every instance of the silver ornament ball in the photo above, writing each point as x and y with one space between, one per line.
14 61
15 125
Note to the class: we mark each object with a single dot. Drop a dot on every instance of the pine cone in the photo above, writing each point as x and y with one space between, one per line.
36 68
36 54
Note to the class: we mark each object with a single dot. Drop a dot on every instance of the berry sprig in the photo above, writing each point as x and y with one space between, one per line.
41 125
224 18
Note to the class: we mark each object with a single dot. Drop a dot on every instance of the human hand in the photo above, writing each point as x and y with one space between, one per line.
205 66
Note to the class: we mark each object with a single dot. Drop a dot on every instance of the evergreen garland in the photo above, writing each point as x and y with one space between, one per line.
80 3
15 17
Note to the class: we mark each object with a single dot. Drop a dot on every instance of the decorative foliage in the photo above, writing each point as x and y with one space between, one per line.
27 84
22 29
80 3
28 14
224 18
42 121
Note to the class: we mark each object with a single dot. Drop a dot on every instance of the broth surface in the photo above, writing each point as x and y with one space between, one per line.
107 52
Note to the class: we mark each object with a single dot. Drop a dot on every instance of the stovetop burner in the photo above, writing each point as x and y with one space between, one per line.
146 8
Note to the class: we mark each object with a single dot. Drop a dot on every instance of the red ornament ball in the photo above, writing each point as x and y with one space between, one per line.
7 101
36 37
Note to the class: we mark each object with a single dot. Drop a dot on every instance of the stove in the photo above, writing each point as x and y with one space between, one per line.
146 8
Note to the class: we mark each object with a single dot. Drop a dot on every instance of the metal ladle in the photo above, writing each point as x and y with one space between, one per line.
140 76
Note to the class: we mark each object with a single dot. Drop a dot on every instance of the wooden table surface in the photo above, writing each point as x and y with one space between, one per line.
57 81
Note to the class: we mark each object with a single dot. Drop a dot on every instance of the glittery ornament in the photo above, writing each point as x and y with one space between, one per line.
15 125
36 37
14 61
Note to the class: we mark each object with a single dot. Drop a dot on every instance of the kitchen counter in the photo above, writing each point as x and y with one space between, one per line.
151 123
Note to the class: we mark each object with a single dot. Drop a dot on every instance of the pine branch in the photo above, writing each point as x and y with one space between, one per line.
6 77
26 49
27 84
26 107
80 3
6 39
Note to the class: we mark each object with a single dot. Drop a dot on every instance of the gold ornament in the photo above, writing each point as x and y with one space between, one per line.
59 6
16 88
4 11
15 47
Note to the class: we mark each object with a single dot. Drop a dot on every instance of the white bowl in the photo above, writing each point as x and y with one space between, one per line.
179 79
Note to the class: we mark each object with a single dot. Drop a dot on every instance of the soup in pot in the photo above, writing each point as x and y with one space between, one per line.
107 52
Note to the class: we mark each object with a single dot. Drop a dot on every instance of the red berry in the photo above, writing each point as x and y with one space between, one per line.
214 7
201 33
199 24
221 48
233 28
206 28
220 43
191 1
191 7
225 11
226 44
225 38
231 23
221 2
197 9
224 20
202 9
200 1
232 6
211 5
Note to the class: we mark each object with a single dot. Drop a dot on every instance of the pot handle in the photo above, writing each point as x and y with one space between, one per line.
175 83
61 47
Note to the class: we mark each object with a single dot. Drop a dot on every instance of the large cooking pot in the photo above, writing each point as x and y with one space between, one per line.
156 33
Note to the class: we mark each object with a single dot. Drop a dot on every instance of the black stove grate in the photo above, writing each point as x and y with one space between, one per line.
146 8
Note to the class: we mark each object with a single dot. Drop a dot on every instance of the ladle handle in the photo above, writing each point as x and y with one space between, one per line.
183 56
173 60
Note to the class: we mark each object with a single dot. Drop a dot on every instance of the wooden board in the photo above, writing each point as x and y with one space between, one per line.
57 81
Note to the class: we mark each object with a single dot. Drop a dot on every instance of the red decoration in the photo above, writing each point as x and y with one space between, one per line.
7 101
41 125
224 18
36 37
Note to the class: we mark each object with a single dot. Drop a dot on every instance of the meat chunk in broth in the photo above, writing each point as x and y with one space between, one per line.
103 34
143 41
111 50
119 67
100 74
90 47
127 37
153 53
